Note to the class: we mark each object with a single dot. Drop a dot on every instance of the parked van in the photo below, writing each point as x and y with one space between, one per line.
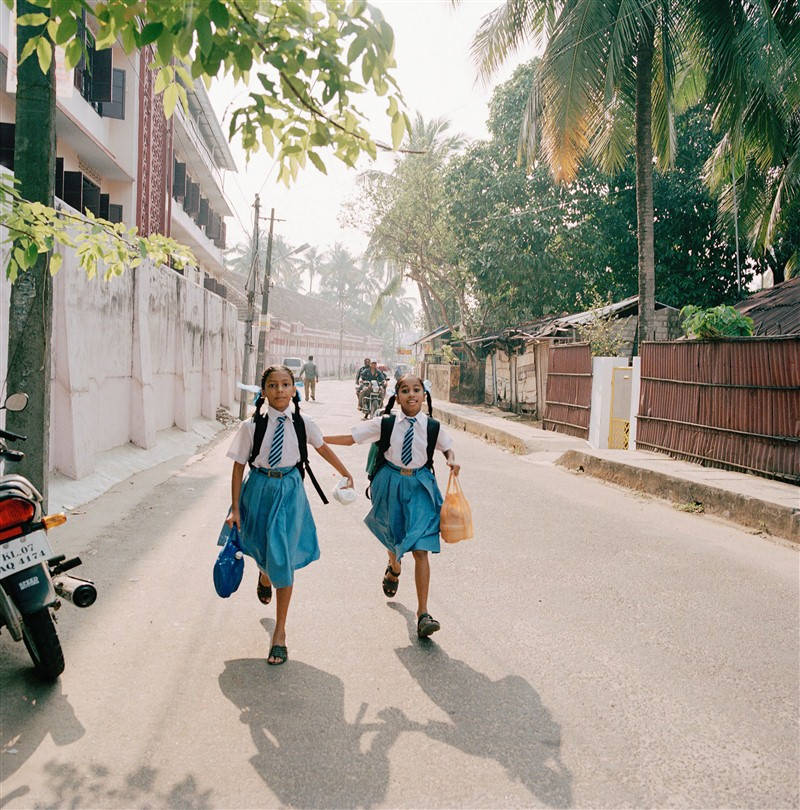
294 363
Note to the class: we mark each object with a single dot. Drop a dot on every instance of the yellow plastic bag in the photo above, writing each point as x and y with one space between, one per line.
455 519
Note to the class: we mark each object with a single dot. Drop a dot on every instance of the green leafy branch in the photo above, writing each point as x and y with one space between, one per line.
715 323
34 228
305 56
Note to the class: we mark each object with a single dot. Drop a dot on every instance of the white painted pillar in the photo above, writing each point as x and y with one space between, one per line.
142 419
636 386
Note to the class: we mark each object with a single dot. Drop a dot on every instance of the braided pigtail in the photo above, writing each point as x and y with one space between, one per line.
389 404
430 402
296 400
259 403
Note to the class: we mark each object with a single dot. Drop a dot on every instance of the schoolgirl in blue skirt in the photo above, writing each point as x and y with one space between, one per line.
405 497
270 507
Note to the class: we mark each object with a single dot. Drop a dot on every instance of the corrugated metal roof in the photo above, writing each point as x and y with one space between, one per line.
439 332
775 311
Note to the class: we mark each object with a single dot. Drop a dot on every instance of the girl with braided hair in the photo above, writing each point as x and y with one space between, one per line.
270 507
405 497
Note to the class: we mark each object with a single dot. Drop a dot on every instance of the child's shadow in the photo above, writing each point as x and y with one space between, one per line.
308 754
501 720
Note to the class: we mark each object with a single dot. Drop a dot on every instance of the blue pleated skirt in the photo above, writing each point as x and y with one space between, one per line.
278 530
405 510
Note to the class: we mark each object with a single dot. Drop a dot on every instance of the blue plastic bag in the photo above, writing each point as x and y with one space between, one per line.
229 566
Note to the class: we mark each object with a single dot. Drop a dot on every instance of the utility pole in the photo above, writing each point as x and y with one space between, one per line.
264 322
250 288
341 326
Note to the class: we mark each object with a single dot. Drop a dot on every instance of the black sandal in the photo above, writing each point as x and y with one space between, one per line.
390 585
279 652
264 592
426 625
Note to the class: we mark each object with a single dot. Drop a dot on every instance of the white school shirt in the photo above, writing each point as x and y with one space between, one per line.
242 444
371 431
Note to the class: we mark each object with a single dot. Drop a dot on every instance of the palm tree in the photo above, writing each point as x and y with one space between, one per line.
615 70
410 232
285 269
342 282
312 261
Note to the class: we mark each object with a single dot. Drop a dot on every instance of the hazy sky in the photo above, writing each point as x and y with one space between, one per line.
436 77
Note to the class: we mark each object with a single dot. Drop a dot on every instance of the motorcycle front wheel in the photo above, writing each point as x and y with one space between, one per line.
41 640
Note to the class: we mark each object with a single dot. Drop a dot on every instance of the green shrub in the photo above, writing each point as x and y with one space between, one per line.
715 323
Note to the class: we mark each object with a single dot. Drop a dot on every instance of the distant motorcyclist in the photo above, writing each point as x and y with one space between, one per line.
366 376
363 368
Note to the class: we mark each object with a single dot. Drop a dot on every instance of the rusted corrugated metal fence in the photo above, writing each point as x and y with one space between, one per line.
569 389
731 403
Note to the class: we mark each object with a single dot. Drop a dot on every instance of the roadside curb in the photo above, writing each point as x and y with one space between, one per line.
488 433
755 513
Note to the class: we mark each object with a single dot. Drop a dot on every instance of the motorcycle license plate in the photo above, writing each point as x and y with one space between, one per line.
20 553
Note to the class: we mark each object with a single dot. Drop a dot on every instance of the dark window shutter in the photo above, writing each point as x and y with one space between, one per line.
91 197
80 36
179 181
104 202
58 189
221 243
116 107
192 202
202 213
73 190
7 145
114 213
101 75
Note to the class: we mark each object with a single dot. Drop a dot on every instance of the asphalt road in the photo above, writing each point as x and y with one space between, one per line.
598 649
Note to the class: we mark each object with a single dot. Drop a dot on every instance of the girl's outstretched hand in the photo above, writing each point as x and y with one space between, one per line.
456 468
350 484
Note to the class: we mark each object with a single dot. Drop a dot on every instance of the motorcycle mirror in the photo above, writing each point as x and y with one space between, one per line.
16 402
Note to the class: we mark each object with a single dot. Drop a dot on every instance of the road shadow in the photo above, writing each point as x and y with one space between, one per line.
30 710
308 754
70 786
501 720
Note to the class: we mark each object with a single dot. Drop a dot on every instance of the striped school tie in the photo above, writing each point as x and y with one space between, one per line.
276 448
408 439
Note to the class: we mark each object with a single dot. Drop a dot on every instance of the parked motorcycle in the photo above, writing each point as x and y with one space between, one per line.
32 580
372 398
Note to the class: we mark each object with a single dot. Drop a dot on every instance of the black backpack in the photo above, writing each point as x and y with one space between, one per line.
377 451
302 442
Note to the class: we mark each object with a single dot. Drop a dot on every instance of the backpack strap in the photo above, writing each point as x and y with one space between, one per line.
433 437
387 426
260 420
302 442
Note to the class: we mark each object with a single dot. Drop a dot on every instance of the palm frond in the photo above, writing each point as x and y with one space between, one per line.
389 291
506 29
572 81
612 134
664 68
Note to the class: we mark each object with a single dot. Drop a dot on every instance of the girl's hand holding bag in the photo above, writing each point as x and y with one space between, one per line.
455 519
229 566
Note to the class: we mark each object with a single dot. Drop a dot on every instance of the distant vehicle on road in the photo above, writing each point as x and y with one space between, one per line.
401 369
295 364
